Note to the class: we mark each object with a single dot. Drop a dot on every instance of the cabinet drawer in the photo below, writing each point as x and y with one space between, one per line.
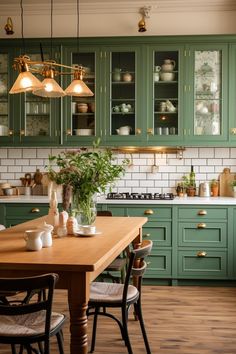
159 264
202 213
158 232
26 211
212 265
151 212
207 234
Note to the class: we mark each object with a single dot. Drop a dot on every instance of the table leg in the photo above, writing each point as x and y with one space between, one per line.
78 296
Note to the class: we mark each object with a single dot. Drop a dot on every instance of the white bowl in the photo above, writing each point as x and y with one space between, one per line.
167 76
83 132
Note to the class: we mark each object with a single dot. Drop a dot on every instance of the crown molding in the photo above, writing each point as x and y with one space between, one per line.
12 7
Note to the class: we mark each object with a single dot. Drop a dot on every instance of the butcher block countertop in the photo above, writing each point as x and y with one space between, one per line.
102 200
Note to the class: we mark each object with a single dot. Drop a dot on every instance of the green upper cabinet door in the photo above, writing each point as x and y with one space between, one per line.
6 101
39 123
122 95
232 91
164 95
81 114
205 93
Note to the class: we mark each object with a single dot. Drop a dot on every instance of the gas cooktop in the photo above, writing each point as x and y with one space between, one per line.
141 196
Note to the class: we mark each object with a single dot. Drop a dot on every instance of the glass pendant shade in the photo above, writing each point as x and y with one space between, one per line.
78 88
50 89
25 82
50 86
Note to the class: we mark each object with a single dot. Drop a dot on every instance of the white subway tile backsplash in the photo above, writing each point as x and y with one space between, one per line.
208 164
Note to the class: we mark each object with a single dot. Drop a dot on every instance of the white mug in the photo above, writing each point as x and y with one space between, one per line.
88 230
33 240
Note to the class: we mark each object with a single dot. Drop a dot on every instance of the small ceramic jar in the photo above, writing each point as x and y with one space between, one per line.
82 107
127 77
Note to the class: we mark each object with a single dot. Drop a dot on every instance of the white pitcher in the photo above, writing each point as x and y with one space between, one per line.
168 65
33 240
124 130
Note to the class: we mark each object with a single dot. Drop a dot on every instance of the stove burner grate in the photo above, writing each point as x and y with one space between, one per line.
141 196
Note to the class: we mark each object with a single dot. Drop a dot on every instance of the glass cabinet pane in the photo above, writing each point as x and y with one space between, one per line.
83 117
207 93
122 93
37 109
165 93
4 118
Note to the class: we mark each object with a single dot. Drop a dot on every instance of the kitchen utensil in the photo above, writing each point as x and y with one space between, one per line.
204 190
28 179
155 167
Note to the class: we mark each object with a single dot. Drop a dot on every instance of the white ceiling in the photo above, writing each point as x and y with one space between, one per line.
113 6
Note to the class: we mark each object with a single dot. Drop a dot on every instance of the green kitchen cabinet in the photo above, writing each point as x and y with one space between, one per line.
164 95
206 93
81 114
17 213
232 90
7 102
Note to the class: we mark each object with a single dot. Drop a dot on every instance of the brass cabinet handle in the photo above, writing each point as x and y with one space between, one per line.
69 132
148 212
10 132
146 235
201 254
202 212
35 210
201 225
22 132
138 131
233 131
150 131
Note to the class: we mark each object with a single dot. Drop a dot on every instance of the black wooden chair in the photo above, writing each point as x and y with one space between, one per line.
26 319
107 295
118 265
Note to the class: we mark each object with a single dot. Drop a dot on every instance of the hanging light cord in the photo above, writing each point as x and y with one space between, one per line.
22 24
77 27
51 25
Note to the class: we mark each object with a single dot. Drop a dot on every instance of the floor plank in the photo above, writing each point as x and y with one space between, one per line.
179 320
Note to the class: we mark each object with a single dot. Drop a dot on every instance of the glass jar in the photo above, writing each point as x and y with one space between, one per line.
84 209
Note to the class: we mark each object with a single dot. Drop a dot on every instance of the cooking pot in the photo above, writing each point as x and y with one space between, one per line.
204 190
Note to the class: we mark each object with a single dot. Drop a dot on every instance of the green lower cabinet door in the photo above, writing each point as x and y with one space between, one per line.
202 234
202 264
115 210
158 232
159 264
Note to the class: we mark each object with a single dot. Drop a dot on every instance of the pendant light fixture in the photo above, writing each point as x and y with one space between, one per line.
50 87
78 86
26 81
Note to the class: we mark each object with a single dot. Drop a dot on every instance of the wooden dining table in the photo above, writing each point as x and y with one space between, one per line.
77 261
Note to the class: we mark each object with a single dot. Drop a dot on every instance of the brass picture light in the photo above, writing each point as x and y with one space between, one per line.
145 12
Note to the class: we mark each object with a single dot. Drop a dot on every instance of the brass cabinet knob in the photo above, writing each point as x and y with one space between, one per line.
202 212
233 131
10 132
69 132
22 132
150 131
146 235
201 254
148 212
35 210
201 225
138 131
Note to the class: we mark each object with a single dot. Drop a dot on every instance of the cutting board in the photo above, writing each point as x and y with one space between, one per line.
226 178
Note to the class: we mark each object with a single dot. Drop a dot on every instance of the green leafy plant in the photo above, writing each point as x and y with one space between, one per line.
85 172
233 183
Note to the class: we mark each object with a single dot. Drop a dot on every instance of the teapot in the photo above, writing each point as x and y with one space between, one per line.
124 130
168 65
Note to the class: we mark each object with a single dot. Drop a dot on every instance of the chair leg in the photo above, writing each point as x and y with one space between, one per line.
138 310
60 342
125 329
95 318
13 349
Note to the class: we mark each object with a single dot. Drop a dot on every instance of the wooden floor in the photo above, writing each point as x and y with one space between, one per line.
179 320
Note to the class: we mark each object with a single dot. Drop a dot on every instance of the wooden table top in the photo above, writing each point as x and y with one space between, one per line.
69 253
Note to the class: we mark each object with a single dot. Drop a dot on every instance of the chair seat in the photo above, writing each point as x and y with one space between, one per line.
29 324
117 265
110 292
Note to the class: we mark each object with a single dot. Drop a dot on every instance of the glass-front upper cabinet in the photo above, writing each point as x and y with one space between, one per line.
80 113
205 91
122 99
40 115
164 95
232 94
